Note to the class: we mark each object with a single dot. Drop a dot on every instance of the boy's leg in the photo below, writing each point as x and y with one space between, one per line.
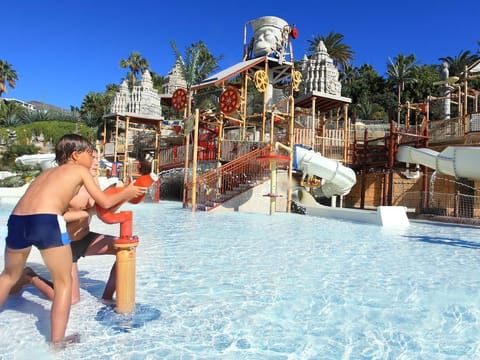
104 245
24 281
14 262
111 284
59 263
75 284
45 286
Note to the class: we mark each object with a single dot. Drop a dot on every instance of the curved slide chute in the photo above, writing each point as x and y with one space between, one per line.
337 179
458 161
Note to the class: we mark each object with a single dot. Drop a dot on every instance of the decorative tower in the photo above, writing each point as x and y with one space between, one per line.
143 99
174 80
319 73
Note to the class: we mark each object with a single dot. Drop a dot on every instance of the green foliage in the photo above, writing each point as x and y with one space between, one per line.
425 76
24 175
137 65
340 53
94 106
197 63
8 76
15 150
458 63
50 130
157 81
11 113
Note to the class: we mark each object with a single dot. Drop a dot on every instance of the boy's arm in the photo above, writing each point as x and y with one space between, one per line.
75 215
107 201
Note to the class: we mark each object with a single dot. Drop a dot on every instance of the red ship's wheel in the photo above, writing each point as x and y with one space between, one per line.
179 99
229 100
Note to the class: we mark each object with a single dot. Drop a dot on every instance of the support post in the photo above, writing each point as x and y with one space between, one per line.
126 246
125 287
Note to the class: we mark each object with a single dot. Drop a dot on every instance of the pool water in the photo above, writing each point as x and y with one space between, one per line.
287 286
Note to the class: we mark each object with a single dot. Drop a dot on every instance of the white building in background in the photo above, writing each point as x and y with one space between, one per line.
142 100
20 102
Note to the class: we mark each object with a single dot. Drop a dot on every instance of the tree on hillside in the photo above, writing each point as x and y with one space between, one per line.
94 106
457 64
341 54
158 81
426 76
400 72
366 88
7 76
137 65
348 75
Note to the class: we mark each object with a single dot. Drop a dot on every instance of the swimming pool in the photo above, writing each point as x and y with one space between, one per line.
287 286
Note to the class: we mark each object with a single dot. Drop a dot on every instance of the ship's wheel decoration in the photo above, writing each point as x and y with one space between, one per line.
297 79
229 100
179 99
260 79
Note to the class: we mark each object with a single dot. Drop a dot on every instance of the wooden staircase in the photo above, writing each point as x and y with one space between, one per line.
229 180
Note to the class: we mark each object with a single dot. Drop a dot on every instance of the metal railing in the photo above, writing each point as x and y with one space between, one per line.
331 146
228 180
442 130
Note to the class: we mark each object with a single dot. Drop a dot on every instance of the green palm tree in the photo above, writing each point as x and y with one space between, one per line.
158 81
11 113
341 54
458 63
7 76
348 75
94 106
197 64
137 65
401 71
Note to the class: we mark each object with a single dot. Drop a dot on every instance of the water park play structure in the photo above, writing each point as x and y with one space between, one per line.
221 153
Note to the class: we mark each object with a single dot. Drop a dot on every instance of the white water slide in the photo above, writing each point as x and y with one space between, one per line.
337 179
458 161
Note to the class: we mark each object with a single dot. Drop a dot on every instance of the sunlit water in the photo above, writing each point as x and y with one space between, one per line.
245 286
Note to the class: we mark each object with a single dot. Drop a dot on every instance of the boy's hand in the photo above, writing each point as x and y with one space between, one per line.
136 191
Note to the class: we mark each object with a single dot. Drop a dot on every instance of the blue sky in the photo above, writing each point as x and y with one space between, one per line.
62 50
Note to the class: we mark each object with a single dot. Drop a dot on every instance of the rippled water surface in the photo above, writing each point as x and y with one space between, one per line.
287 286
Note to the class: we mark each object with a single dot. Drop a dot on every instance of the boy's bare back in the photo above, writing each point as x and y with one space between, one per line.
52 190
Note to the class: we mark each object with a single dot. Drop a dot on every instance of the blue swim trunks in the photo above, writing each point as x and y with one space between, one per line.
41 230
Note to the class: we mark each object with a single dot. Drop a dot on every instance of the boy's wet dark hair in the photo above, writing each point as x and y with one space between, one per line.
69 143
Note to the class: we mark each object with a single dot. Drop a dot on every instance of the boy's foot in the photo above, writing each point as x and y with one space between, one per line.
107 301
24 281
66 342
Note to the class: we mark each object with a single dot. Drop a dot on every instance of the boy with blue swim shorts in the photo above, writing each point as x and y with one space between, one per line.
84 242
34 221
42 230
